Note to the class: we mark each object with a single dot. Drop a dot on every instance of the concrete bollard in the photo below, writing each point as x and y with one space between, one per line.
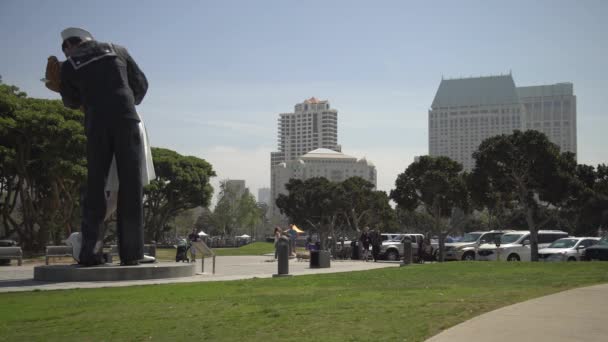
283 256
407 251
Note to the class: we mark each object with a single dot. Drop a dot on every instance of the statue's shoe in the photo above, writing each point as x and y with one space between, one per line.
147 259
129 263
75 240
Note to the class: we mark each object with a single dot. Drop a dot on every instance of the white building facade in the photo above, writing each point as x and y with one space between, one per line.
467 111
312 125
330 164
551 109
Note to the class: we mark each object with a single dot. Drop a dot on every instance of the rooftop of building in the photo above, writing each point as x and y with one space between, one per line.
484 90
325 153
314 100
557 89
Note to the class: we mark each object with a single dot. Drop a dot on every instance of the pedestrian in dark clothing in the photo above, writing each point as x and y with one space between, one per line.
376 240
105 80
365 241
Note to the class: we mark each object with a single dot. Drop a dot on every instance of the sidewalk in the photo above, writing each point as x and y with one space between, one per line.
20 278
573 315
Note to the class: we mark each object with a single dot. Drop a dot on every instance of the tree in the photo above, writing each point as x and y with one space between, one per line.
42 167
527 169
587 206
182 183
235 212
361 205
312 204
437 184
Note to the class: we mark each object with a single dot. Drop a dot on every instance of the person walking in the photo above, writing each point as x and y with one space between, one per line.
376 240
105 80
192 238
365 241
277 235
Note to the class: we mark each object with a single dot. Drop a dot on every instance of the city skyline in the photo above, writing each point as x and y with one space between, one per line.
220 73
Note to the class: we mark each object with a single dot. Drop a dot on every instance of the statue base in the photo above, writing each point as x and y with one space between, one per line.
113 272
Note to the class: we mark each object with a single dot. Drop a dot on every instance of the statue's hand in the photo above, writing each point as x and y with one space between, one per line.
53 74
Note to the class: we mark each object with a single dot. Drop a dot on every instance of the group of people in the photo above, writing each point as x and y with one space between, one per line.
371 237
290 234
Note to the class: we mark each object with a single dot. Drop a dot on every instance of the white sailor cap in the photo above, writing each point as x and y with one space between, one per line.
76 32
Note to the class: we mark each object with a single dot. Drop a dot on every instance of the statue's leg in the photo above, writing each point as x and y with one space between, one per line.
99 156
129 223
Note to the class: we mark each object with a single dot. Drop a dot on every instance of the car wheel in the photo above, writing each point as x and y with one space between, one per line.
469 256
571 259
513 257
392 255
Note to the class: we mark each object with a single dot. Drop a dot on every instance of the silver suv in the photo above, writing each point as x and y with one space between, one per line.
393 249
465 249
567 249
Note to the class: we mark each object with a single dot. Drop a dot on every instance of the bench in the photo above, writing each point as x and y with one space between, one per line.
9 253
57 251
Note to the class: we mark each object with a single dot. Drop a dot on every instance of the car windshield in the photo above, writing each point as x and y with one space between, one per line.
563 243
470 237
509 238
603 241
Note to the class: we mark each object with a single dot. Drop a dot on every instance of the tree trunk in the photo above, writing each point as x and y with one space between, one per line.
533 234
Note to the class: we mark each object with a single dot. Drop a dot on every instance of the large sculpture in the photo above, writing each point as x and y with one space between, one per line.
104 80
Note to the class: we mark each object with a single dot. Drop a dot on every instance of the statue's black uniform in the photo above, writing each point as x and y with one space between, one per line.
106 81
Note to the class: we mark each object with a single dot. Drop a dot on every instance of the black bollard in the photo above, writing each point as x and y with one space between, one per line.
407 251
283 256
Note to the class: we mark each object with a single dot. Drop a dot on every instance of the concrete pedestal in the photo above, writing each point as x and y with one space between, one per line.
113 272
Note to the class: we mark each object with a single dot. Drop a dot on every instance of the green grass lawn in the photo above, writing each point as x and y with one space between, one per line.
395 304
255 248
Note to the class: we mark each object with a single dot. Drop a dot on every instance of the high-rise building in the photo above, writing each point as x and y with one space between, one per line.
467 111
264 195
322 162
236 187
551 109
312 125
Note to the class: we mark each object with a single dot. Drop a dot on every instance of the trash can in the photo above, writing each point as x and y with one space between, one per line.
354 250
319 259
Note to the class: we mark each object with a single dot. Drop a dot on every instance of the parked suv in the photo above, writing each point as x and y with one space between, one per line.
465 248
599 251
393 249
515 246
567 249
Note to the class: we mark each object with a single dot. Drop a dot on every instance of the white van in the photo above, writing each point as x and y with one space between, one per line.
515 246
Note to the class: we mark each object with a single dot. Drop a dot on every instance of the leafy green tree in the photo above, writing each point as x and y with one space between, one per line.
437 184
526 168
361 205
182 183
587 205
235 213
42 167
313 204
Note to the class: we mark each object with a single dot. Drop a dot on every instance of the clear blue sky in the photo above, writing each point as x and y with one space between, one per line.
220 72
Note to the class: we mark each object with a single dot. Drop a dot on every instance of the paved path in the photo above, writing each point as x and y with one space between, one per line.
20 278
574 315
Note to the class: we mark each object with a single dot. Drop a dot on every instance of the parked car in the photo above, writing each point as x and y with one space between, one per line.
567 249
466 248
393 249
515 246
7 243
598 251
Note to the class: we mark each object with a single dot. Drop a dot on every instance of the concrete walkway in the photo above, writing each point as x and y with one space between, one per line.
20 278
574 315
